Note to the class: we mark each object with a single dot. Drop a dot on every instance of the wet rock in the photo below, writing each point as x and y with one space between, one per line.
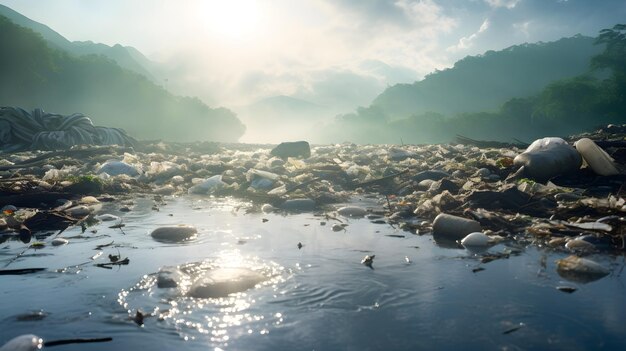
221 282
267 208
352 211
338 227
443 185
292 149
431 174
547 158
59 241
298 205
168 277
396 154
167 189
78 211
449 227
27 342
174 234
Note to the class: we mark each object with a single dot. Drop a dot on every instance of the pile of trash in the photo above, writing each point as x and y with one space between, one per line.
21 130
566 194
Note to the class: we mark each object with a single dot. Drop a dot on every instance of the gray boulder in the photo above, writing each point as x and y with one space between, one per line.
292 149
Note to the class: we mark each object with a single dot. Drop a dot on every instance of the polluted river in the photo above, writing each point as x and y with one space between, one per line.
460 246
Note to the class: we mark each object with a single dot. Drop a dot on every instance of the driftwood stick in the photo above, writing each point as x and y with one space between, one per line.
380 180
20 271
75 341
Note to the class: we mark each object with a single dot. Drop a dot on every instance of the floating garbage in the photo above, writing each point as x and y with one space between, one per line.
368 260
475 239
116 168
596 158
580 269
208 185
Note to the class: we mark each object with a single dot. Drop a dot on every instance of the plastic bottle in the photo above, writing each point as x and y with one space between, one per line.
596 158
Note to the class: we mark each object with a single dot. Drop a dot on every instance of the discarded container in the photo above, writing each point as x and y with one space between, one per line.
115 168
208 185
580 269
449 227
596 158
475 239
547 158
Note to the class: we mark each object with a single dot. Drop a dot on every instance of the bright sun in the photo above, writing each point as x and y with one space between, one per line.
230 19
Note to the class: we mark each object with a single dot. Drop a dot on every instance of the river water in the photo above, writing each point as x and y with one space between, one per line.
416 295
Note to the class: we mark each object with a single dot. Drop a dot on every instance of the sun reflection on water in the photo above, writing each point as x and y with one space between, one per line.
217 319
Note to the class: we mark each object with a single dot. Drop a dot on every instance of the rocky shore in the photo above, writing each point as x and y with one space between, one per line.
568 208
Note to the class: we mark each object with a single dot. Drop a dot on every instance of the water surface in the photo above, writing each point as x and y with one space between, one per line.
417 296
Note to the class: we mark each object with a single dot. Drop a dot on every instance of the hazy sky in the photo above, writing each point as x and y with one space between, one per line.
332 52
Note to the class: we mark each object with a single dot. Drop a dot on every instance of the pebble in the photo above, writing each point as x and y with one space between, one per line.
27 342
174 234
352 211
221 282
78 211
59 241
298 205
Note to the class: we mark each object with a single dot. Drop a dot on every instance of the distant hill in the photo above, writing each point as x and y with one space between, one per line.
523 92
483 83
127 57
36 75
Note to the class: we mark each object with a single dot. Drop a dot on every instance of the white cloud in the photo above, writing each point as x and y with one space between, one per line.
467 42
509 4
522 28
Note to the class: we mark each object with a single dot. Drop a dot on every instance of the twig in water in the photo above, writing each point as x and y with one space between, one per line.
20 271
74 341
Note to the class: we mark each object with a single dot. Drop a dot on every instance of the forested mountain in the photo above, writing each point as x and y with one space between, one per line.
125 56
32 74
483 83
596 96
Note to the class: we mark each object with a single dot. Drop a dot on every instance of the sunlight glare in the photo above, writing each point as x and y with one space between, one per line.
229 19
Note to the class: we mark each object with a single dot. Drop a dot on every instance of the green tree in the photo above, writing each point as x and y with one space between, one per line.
614 59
